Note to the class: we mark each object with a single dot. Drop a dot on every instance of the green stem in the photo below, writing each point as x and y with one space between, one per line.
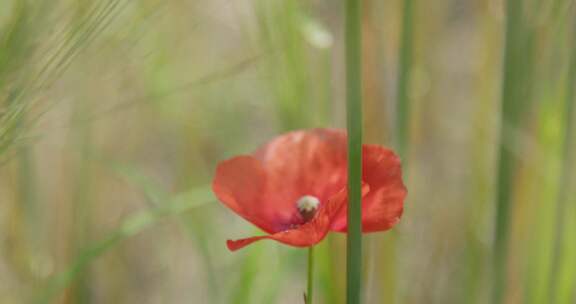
310 287
567 177
354 122
404 75
513 103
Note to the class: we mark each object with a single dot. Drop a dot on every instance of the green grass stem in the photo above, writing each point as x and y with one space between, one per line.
567 179
404 76
281 34
354 123
192 223
512 104
133 225
310 285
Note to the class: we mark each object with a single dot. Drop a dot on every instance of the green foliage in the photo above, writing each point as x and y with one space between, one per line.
140 99
179 204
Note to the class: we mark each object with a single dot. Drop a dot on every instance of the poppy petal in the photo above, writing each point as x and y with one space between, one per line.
305 235
383 205
299 163
238 183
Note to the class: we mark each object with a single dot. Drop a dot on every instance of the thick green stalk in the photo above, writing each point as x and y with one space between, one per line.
511 103
567 177
404 75
354 122
310 287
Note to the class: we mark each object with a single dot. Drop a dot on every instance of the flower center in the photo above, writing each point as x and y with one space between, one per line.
307 206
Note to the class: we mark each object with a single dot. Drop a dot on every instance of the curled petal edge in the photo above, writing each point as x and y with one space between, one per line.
308 234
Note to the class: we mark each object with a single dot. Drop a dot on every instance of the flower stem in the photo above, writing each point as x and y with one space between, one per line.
310 287
354 123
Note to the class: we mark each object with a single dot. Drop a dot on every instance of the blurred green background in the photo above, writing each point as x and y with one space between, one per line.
114 114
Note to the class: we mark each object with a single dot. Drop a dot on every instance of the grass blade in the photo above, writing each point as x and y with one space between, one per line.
133 225
192 223
514 97
404 76
354 122
560 278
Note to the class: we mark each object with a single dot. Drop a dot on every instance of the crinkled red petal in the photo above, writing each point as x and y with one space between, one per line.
298 163
308 234
238 184
305 235
382 207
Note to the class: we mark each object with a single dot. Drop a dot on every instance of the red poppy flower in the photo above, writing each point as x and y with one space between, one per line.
294 187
